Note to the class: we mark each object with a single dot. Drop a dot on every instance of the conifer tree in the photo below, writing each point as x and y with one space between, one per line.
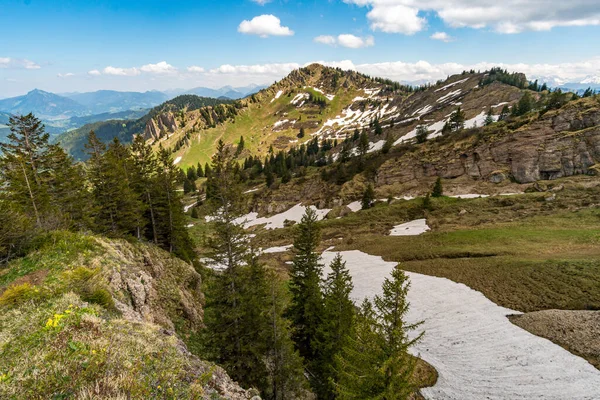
363 144
339 317
117 209
199 171
146 167
306 310
489 118
170 217
240 146
457 120
504 113
375 363
422 133
438 190
368 197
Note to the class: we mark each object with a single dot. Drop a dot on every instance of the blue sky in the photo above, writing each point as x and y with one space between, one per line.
138 45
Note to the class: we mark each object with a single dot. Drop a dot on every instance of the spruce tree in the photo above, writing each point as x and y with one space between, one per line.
339 317
146 169
421 134
170 217
363 144
240 146
306 310
368 197
489 118
438 190
375 363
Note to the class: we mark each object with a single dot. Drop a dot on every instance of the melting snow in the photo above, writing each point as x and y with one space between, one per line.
177 160
251 190
298 98
355 206
412 228
479 120
448 86
277 221
449 95
477 351
186 208
278 249
470 196
278 95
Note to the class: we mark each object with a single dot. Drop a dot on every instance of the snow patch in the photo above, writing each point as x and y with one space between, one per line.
278 95
470 196
477 351
449 95
277 221
412 228
177 160
278 249
448 86
355 206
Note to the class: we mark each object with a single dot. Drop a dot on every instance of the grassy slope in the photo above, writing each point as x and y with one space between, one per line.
255 124
62 337
520 251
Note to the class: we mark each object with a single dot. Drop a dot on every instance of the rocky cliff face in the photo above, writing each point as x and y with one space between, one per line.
113 316
162 124
559 144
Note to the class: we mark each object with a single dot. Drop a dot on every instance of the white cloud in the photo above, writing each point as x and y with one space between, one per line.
195 69
261 2
508 16
67 75
346 40
423 71
325 39
264 26
442 36
94 72
110 70
271 70
17 63
160 68
355 42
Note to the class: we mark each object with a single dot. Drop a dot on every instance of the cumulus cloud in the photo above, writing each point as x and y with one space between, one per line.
423 71
110 70
195 69
355 42
442 36
271 70
67 75
346 40
261 2
508 16
264 26
94 72
159 68
17 63
326 39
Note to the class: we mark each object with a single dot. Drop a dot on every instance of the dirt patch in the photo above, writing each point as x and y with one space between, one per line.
576 331
34 279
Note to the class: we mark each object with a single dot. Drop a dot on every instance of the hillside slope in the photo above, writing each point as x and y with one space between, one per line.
331 104
88 317
164 117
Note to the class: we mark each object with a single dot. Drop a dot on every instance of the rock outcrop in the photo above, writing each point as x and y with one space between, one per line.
560 143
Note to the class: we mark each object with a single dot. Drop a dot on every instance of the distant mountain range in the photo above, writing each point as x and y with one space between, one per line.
66 111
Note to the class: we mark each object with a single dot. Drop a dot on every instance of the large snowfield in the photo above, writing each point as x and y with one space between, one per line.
477 351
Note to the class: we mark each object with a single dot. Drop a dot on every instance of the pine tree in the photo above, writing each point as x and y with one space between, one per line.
375 363
438 190
368 197
191 174
525 105
489 118
240 146
339 317
457 120
363 144
378 128
306 310
301 134
199 171
20 165
146 169
117 209
422 133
